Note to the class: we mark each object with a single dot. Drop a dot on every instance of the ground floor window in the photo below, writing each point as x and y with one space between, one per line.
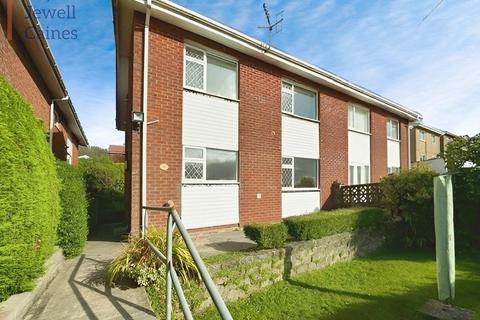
392 170
299 172
207 164
358 174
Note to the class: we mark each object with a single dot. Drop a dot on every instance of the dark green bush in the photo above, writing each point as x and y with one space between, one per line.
73 227
324 223
105 189
267 235
29 200
409 198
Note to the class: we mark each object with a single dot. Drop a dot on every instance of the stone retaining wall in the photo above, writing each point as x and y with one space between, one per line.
241 276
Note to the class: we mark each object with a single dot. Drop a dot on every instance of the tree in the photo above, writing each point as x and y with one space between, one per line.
93 151
461 150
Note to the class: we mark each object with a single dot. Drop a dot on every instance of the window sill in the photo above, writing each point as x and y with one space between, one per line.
393 139
288 190
299 117
209 94
358 131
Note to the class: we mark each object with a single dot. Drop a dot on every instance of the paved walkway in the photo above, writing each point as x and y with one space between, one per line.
209 244
78 291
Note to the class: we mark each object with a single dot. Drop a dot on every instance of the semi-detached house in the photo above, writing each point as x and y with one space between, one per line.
236 132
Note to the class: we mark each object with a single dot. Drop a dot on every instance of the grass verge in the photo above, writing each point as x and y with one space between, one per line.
386 286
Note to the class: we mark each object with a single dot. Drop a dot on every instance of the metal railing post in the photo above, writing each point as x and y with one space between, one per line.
169 266
171 277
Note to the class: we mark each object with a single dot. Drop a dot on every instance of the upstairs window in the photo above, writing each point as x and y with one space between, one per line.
209 73
299 172
393 129
359 118
434 139
299 101
422 135
205 164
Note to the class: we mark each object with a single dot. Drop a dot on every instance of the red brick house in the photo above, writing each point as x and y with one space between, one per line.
235 132
116 153
28 65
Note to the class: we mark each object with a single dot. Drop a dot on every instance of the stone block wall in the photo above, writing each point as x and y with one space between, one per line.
241 276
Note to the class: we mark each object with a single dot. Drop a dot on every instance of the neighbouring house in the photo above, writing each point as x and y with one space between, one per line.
428 143
116 153
235 131
446 138
27 63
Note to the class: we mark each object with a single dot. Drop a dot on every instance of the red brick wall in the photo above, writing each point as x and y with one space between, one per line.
378 143
333 143
259 128
18 69
260 139
404 144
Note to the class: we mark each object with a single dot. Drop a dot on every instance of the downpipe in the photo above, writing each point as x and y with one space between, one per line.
146 48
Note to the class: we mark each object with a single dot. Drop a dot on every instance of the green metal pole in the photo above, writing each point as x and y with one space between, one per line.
444 237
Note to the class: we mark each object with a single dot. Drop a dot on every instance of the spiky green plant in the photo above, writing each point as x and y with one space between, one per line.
139 263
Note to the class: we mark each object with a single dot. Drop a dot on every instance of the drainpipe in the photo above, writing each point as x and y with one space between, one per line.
146 38
52 112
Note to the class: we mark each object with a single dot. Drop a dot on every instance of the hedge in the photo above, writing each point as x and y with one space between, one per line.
325 223
267 235
29 194
73 228
105 188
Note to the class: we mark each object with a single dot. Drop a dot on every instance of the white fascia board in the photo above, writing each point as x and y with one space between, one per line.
196 23
428 128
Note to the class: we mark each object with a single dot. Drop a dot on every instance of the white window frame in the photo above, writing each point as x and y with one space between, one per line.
422 133
389 128
292 166
204 180
392 170
204 64
355 106
362 167
292 92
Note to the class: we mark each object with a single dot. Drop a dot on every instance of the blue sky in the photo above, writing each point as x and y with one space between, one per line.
431 66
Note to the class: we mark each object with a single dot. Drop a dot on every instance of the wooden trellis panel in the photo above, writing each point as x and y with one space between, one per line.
361 195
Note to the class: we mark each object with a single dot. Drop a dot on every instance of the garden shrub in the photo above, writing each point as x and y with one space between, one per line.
105 188
267 235
139 263
466 189
73 227
324 223
29 194
408 196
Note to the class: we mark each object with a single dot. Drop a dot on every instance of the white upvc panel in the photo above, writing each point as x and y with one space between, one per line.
298 203
393 153
300 138
209 121
209 205
358 148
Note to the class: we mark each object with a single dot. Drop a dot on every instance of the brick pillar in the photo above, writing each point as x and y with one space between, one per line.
260 149
333 144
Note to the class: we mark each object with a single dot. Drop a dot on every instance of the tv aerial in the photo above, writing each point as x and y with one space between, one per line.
272 28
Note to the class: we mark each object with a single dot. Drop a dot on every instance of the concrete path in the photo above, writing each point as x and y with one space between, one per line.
78 291
218 242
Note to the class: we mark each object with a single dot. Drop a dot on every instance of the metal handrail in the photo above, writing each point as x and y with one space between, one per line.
173 219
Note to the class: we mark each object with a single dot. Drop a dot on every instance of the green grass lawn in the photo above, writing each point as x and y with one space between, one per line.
387 286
